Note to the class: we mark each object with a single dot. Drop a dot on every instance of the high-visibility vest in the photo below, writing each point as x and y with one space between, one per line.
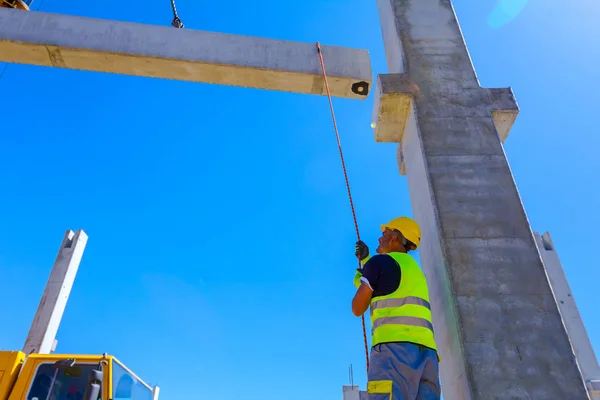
405 315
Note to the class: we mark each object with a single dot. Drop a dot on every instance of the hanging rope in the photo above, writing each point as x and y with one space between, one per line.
337 135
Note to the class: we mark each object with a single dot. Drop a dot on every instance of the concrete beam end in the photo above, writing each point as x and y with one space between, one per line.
391 107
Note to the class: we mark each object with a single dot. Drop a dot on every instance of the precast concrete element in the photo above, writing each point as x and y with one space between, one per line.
498 327
352 392
42 334
584 351
65 41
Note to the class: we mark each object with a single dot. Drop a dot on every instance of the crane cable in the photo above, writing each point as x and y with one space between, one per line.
337 135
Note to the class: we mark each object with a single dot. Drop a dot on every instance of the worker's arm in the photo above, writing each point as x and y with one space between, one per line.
362 299
368 283
380 276
359 272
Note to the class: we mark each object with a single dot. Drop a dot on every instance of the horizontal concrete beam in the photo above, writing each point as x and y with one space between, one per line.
63 41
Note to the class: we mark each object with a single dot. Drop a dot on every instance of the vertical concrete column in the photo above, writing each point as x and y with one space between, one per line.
584 351
47 318
497 325
352 392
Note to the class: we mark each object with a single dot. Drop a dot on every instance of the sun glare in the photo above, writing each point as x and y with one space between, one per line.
505 11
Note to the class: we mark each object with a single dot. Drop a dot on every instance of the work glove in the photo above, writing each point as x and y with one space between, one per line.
361 250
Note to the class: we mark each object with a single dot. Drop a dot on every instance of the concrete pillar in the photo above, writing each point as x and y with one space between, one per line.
352 392
498 328
584 352
155 392
42 334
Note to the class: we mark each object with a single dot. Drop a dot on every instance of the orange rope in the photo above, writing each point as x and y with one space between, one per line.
337 135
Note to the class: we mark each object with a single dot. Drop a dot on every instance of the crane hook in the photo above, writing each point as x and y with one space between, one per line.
176 21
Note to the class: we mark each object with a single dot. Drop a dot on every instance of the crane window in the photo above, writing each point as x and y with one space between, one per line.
126 386
63 383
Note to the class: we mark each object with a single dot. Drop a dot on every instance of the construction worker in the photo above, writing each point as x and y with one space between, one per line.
404 360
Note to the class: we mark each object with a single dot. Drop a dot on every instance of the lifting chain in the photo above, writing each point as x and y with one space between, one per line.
176 21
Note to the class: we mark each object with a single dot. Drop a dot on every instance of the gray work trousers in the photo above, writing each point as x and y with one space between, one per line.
403 371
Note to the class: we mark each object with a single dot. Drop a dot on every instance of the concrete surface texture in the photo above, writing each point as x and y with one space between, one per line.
394 95
65 41
498 327
42 334
584 351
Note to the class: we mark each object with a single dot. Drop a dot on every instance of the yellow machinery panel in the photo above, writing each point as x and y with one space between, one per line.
19 4
10 366
42 373
62 376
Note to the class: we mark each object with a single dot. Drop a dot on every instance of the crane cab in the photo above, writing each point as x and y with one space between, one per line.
18 4
84 377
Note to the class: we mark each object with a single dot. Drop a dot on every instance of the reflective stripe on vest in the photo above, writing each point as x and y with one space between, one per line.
405 315
404 320
398 302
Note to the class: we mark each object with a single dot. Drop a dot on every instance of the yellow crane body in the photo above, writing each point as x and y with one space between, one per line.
19 4
69 377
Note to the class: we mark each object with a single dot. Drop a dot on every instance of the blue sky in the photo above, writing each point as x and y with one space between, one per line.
220 253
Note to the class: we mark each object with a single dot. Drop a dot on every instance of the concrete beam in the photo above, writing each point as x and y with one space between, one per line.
42 334
498 328
65 41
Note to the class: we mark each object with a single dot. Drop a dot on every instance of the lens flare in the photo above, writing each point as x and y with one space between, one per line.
505 11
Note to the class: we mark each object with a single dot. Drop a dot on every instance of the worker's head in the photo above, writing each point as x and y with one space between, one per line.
399 235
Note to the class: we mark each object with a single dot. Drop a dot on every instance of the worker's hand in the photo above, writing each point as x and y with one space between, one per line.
361 250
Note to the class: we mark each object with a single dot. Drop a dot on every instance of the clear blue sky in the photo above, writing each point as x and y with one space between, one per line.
220 256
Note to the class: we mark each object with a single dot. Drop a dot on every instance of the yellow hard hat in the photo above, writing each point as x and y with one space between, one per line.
408 227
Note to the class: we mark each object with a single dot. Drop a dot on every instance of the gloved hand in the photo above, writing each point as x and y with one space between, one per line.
361 250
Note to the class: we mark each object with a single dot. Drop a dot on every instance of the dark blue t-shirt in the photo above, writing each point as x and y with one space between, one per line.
382 273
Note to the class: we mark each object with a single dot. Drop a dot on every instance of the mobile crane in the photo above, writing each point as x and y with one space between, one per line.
69 377
19 4
36 374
